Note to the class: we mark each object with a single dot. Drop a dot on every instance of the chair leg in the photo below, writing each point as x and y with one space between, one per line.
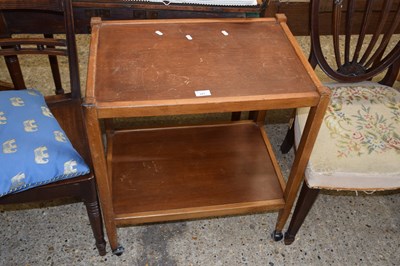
306 200
288 142
94 213
236 116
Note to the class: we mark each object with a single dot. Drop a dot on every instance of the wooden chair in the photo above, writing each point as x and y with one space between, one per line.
66 108
358 146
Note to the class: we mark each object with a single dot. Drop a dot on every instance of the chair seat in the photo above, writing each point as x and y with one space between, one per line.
66 188
69 115
35 148
204 2
358 146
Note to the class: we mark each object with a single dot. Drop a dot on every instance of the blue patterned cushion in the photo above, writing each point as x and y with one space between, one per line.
34 149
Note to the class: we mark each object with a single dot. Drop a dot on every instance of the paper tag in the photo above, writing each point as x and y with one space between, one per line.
202 93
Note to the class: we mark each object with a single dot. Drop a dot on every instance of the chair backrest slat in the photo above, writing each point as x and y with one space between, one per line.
32 41
385 39
349 24
378 32
72 49
363 30
337 17
42 46
27 51
364 56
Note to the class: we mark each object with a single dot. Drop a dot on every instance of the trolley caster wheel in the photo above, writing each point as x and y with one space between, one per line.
289 239
118 251
277 236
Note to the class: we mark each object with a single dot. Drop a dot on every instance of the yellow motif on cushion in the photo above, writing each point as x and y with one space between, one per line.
17 101
3 119
41 155
30 125
9 146
70 167
32 92
17 180
59 136
46 111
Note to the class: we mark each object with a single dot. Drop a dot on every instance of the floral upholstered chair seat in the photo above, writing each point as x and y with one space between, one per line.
358 145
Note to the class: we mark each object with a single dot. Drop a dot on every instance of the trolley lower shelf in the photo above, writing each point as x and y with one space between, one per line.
175 173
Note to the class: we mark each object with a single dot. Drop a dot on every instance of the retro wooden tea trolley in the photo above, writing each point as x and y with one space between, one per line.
172 67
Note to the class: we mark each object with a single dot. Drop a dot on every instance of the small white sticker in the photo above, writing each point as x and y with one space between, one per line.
225 33
159 33
202 93
189 37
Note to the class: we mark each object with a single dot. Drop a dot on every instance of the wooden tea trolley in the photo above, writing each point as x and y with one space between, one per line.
149 68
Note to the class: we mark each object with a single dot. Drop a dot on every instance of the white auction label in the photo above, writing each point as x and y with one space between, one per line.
202 93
